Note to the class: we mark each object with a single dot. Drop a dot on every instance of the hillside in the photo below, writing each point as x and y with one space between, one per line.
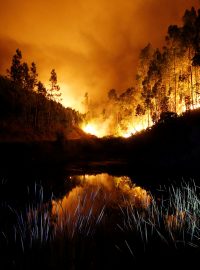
29 116
170 147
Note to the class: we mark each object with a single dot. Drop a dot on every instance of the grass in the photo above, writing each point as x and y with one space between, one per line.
175 218
93 221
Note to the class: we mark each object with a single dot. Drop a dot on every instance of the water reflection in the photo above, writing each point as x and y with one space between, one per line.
85 205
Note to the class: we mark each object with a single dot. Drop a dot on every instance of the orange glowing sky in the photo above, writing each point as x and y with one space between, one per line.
93 45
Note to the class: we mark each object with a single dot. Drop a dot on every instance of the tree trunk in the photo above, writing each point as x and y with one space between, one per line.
175 83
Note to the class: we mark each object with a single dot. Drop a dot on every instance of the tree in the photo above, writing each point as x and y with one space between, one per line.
54 91
21 74
86 102
147 99
144 60
139 110
15 71
112 95
189 29
41 88
25 77
33 77
188 37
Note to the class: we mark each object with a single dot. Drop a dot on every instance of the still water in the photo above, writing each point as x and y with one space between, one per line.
102 187
83 207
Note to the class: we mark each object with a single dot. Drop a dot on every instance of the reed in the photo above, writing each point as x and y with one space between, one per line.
173 219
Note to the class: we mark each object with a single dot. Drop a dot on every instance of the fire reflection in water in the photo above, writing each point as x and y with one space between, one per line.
83 208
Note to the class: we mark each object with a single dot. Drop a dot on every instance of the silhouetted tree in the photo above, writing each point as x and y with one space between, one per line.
86 102
139 110
33 77
54 91
15 71
25 77
112 94
41 88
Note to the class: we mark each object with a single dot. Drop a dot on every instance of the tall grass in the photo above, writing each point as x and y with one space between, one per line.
132 220
174 218
81 214
34 223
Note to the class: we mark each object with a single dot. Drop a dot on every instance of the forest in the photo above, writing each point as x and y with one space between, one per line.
167 80
167 84
30 111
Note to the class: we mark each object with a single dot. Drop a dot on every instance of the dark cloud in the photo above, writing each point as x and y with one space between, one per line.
93 45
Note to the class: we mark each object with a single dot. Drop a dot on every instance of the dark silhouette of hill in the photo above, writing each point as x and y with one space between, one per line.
172 146
30 116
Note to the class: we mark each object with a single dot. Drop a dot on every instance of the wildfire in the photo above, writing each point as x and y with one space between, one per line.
134 128
96 130
101 128
119 120
91 129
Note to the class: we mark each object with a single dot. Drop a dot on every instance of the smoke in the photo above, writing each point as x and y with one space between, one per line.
93 45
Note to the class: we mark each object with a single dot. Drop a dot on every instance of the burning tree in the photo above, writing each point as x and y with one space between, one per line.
167 80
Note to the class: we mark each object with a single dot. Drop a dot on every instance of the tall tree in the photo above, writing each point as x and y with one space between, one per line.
54 91
15 71
112 95
25 77
33 77
41 88
188 36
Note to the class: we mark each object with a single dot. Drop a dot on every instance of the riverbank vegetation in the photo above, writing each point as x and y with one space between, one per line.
92 228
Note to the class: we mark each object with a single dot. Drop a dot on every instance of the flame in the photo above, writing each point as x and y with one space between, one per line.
108 127
112 119
134 127
182 108
99 127
91 129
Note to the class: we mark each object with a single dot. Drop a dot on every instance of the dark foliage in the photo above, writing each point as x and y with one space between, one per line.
28 115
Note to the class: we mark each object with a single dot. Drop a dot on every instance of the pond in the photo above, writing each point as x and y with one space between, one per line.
91 196
75 219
